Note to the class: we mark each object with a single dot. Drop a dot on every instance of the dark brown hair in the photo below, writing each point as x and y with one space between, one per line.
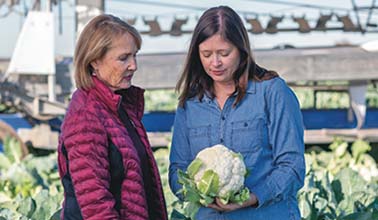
224 21
95 41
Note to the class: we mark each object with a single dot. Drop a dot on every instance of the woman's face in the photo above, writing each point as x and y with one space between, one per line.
220 59
117 67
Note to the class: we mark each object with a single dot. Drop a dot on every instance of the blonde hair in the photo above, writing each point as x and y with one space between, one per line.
94 42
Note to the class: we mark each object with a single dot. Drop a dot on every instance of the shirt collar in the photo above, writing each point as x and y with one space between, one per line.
251 88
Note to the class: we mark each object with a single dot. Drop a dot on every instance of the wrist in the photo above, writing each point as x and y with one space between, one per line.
253 202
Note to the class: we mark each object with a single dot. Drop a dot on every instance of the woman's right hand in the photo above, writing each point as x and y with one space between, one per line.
219 206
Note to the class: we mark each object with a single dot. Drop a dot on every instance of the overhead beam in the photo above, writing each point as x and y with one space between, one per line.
294 65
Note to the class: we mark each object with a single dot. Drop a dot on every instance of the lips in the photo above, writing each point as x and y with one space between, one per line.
217 72
129 77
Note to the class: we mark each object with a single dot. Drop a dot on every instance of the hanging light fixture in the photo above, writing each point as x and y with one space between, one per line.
176 26
304 27
256 25
271 28
322 21
155 29
348 24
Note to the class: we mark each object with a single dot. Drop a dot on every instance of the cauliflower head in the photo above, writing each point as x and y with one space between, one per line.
215 172
227 164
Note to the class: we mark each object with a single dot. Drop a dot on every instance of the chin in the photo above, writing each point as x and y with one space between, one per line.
125 85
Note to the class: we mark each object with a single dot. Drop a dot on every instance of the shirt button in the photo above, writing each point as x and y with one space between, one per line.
221 140
223 118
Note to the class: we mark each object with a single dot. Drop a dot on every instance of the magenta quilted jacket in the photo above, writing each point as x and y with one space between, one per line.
90 126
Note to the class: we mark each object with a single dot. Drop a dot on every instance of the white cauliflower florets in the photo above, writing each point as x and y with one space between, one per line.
228 165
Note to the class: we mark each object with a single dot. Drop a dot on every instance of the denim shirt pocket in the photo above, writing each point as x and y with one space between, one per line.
199 138
246 138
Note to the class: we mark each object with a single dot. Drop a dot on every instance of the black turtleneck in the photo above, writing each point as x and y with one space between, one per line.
141 149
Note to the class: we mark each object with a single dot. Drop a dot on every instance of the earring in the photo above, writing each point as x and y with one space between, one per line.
94 73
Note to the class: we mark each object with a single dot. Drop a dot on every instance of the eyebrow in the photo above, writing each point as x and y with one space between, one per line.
221 50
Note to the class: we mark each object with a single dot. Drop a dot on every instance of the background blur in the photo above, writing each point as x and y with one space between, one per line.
327 51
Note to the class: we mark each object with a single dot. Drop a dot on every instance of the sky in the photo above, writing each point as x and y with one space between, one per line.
166 11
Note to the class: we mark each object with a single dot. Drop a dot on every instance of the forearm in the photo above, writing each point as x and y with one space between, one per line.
284 180
173 181
92 189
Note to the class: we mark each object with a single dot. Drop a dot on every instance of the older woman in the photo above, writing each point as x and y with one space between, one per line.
105 161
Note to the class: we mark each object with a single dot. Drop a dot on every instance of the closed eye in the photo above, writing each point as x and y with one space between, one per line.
206 55
124 57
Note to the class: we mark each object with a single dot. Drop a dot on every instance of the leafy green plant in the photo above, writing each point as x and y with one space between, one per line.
340 184
337 185
30 188
161 100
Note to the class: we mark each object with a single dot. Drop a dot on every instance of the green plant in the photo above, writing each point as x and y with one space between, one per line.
30 188
215 172
337 186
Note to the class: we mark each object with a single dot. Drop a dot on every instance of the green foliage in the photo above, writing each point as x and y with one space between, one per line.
12 150
160 100
332 99
161 157
337 185
340 184
167 99
194 166
372 96
203 191
29 188
7 109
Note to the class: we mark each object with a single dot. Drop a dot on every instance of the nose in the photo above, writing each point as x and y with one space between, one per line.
216 61
132 65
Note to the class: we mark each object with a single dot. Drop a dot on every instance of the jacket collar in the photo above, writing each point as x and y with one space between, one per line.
133 98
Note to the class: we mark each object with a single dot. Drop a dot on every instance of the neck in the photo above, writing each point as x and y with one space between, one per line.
222 92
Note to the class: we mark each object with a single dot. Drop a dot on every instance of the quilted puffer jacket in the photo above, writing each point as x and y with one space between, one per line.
98 164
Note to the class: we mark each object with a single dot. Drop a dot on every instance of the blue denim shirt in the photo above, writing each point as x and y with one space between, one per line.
266 128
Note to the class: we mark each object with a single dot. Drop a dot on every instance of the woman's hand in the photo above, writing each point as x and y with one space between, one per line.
219 206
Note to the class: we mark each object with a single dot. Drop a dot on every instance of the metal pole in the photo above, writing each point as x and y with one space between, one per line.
370 13
51 79
357 16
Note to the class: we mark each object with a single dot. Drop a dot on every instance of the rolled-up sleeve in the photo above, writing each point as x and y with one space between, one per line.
286 130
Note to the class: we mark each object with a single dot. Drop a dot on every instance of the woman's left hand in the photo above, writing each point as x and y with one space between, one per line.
219 206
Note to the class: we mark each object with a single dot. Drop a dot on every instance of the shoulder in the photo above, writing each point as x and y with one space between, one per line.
271 86
78 100
277 92
276 81
81 112
84 101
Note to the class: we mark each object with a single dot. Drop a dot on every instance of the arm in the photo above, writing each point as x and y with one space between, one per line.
286 138
180 154
86 143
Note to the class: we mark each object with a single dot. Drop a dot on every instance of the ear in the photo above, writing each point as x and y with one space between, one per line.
95 64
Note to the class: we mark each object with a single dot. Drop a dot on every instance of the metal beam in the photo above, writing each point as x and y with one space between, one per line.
157 71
